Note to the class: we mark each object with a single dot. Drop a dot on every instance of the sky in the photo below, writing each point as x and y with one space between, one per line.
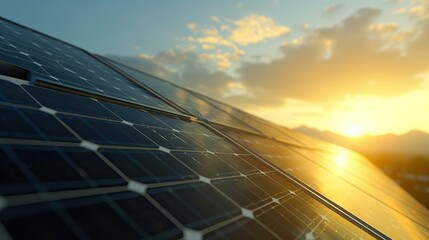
352 67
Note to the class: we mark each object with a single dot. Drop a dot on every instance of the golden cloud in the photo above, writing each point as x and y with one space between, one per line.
356 64
256 28
220 42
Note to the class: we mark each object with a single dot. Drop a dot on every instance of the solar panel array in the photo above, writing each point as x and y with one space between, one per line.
99 150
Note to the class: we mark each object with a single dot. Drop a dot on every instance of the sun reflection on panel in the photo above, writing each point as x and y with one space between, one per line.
341 159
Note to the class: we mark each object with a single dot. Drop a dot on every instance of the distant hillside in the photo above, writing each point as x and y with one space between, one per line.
413 142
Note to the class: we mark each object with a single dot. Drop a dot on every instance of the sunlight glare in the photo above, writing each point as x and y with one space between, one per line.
353 131
341 159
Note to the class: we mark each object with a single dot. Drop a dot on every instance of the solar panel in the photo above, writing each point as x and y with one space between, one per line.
100 166
54 61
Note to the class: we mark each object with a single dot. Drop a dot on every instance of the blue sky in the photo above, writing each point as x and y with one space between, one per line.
334 65
116 27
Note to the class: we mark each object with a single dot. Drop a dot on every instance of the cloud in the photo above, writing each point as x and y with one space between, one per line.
192 26
331 10
383 28
338 62
415 10
418 11
256 28
222 43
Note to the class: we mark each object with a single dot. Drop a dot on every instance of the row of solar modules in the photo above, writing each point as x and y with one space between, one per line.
188 176
203 182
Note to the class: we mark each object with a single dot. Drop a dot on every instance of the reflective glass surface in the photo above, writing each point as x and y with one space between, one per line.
51 60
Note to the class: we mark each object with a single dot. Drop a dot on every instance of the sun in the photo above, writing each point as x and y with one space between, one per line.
353 131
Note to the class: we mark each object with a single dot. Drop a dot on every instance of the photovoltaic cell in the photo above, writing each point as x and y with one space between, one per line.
12 93
32 124
152 222
41 224
196 206
107 132
149 166
69 103
206 164
243 191
40 169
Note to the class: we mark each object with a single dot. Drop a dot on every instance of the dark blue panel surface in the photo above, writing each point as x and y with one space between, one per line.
149 166
107 132
41 168
69 103
13 93
243 191
196 206
32 124
206 164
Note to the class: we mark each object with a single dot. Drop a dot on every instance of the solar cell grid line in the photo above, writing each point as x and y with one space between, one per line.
54 61
192 104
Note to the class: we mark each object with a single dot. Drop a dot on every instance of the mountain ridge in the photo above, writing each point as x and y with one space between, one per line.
414 141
